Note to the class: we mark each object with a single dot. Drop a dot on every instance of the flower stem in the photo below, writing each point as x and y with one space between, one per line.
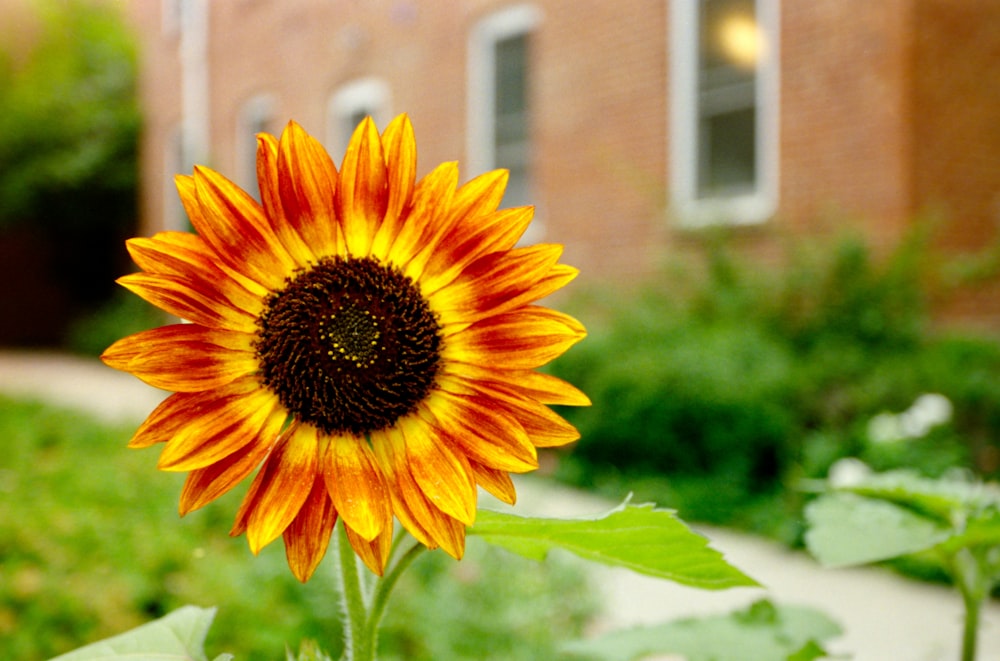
357 641
384 586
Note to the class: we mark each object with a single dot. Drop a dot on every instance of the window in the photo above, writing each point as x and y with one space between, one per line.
500 99
349 105
724 106
256 116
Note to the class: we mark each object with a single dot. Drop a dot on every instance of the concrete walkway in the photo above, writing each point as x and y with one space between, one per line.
885 617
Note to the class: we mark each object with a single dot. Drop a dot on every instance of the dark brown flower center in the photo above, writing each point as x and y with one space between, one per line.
349 345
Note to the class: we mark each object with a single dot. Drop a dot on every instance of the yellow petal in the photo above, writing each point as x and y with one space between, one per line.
362 198
374 553
357 486
401 169
292 237
442 474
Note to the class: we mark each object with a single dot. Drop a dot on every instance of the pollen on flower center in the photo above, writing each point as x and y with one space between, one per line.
349 345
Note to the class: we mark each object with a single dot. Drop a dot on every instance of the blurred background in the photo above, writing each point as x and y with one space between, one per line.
786 215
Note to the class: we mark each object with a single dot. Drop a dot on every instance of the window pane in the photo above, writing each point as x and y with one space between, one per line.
511 138
729 48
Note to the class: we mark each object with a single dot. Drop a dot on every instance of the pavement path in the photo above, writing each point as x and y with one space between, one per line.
885 617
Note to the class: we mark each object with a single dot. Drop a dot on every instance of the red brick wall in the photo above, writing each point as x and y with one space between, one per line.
869 93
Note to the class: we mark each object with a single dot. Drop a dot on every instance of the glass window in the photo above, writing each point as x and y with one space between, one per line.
500 99
724 110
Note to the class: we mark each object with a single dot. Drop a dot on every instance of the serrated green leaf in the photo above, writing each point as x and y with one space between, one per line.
646 540
847 529
762 632
177 636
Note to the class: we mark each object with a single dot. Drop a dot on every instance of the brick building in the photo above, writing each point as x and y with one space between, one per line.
629 124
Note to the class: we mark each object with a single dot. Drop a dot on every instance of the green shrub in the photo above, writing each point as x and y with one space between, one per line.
717 395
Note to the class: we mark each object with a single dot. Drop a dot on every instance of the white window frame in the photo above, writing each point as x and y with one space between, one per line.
369 95
509 22
761 204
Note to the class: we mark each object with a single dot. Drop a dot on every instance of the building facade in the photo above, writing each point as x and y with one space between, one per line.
631 125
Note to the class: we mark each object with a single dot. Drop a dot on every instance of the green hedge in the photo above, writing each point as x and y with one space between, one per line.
718 398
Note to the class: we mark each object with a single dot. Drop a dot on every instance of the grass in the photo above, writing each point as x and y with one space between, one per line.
91 545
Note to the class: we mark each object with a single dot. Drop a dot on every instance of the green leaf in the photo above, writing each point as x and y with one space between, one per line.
761 632
646 540
847 529
178 636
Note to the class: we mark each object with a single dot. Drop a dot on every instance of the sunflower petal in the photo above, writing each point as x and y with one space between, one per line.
203 485
362 198
499 282
520 340
496 482
183 357
307 181
443 475
428 525
468 241
357 486
471 424
401 169
374 553
268 181
424 222
234 416
308 535
178 297
189 257
234 224
281 487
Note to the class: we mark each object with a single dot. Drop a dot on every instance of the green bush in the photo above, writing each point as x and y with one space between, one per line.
716 396
91 545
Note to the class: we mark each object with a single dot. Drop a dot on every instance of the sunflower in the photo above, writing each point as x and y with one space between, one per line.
366 342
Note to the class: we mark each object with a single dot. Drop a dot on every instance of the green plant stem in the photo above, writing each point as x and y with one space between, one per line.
383 588
357 641
970 629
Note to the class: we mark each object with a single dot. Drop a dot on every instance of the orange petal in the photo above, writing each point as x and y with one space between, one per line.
427 220
180 298
428 525
187 256
357 486
468 241
362 198
184 357
501 281
268 181
401 169
473 426
545 388
240 413
496 482
374 553
307 180
203 485
281 487
234 224
443 475
308 535
519 340
168 418
544 427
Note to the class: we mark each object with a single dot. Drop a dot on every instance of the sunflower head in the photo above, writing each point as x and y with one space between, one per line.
363 343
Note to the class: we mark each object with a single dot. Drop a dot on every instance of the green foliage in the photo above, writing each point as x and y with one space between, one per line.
91 546
69 121
179 635
761 632
883 516
639 537
716 394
